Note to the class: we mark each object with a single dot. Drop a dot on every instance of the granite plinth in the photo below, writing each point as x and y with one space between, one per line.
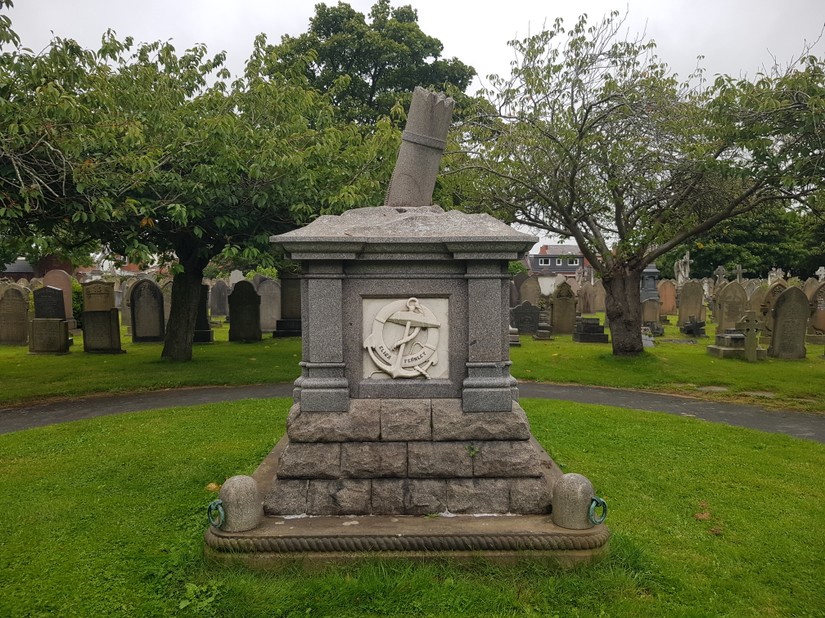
279 541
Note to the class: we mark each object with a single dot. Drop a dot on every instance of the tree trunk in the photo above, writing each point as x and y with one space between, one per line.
180 330
624 310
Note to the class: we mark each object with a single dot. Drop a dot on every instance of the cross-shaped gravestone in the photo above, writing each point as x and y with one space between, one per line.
821 273
750 326
739 273
721 272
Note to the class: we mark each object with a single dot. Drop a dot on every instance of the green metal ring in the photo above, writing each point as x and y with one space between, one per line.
594 504
215 513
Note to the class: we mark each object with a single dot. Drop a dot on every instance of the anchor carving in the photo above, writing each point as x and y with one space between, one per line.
396 359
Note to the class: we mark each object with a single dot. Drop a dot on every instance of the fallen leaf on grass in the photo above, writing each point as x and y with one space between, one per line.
213 487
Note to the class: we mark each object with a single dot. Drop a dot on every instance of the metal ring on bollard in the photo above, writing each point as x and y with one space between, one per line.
216 514
594 504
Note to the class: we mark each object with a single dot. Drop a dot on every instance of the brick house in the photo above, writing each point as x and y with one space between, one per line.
554 260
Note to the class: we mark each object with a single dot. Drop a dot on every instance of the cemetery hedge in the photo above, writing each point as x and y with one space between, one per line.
107 517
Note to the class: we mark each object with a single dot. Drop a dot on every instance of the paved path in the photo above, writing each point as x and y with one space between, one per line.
798 424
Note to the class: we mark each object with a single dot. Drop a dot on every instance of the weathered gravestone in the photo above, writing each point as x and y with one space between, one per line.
48 336
810 285
525 318
406 406
14 315
691 302
218 299
245 313
732 303
598 298
530 291
790 312
514 297
563 307
203 330
146 301
650 311
587 296
166 291
766 309
270 292
667 297
49 330
101 322
62 280
816 328
756 297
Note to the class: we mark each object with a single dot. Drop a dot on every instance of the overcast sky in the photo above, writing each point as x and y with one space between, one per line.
736 37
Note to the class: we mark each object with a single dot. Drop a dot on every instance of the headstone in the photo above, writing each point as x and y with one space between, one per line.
691 302
525 318
750 326
574 285
218 303
648 289
587 296
530 291
544 330
810 285
588 330
98 296
166 291
772 293
693 327
598 298
514 297
270 292
791 312
650 311
62 280
563 304
739 277
146 300
245 313
730 343
203 330
716 311
820 273
514 340
290 323
816 328
48 303
126 304
48 336
732 303
257 279
14 315
756 297
547 285
667 297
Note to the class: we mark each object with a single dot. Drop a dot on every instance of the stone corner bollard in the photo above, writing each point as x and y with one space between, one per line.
239 506
575 503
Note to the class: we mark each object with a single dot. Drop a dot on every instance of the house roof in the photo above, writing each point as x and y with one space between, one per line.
558 250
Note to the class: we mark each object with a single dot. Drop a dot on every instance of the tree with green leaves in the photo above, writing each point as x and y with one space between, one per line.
371 67
596 140
765 238
153 155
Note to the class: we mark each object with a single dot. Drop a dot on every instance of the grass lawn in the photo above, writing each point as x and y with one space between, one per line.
669 367
106 517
